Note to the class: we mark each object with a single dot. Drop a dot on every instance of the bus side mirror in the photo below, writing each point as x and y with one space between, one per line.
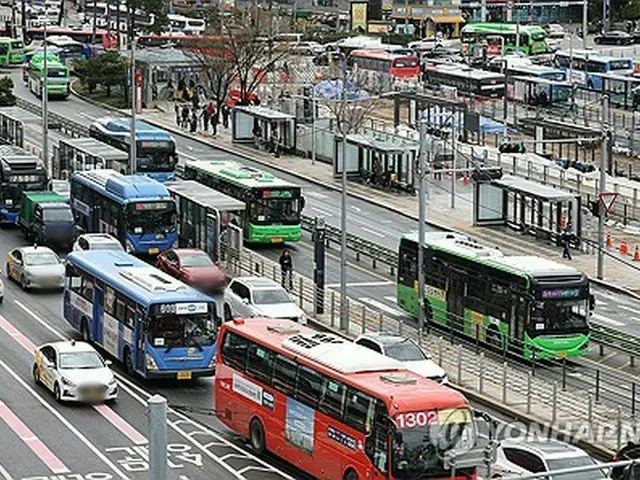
592 302
303 202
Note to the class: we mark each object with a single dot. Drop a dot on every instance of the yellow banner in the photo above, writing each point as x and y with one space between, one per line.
359 12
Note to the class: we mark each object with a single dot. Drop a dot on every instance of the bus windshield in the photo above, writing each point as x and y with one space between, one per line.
151 217
56 72
275 210
558 316
157 157
421 439
173 330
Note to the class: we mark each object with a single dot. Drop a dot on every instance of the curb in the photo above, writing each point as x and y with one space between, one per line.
246 156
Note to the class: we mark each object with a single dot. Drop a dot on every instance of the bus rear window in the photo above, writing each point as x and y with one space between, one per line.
405 63
620 65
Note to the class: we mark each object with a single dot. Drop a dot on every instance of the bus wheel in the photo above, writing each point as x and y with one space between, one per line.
351 475
128 362
256 436
84 331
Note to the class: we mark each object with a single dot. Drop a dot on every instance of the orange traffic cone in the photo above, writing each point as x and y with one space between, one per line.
466 180
624 249
636 255
609 240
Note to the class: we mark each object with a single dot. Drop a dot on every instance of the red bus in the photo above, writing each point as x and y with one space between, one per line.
335 409
400 66
103 38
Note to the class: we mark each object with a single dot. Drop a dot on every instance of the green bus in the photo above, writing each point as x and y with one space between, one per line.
58 77
273 206
524 303
11 51
501 38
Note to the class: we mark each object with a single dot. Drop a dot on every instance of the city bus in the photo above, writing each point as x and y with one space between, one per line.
187 25
19 171
86 153
156 155
533 38
69 49
101 38
527 304
157 326
466 80
336 409
135 209
273 206
11 51
400 66
587 67
546 82
58 77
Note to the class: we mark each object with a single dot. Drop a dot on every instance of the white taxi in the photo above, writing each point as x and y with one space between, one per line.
74 372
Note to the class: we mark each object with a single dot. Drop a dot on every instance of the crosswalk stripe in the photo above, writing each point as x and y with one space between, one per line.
391 298
608 320
381 306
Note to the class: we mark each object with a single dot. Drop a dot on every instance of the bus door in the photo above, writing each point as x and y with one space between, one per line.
456 291
139 334
518 319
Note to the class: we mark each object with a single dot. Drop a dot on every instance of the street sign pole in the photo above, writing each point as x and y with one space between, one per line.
604 150
319 236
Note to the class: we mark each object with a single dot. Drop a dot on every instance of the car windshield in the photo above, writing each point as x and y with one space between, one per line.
270 297
41 258
181 330
266 212
572 462
151 217
194 260
115 245
405 351
58 215
558 316
421 439
77 360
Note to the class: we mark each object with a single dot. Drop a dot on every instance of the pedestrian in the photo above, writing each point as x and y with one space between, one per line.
206 117
213 117
286 270
185 116
257 135
566 237
275 142
225 115
176 109
194 121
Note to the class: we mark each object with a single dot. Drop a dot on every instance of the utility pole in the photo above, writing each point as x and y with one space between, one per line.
13 19
157 424
454 155
585 14
118 23
422 172
94 26
313 125
23 21
134 90
45 109
344 314
604 159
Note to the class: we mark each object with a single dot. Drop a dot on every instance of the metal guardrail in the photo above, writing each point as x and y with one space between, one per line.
56 122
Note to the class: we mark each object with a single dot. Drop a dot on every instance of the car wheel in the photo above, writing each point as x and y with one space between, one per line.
256 436
128 363
23 283
36 375
56 393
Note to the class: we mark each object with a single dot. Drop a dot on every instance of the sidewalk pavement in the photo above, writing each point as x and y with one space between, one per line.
439 209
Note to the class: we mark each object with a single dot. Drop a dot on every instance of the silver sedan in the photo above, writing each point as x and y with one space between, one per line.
35 267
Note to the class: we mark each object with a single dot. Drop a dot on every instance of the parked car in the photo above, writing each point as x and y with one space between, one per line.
555 30
406 351
307 48
523 456
194 267
74 372
323 59
35 267
96 241
614 37
260 297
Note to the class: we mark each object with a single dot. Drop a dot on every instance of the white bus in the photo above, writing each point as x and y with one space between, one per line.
186 25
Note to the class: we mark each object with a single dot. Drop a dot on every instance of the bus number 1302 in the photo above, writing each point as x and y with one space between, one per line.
417 419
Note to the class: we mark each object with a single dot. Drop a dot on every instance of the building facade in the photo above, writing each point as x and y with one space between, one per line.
428 16
524 11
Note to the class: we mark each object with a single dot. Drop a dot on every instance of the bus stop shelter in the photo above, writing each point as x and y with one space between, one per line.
207 218
527 207
246 117
376 156
538 91
620 89
86 153
12 123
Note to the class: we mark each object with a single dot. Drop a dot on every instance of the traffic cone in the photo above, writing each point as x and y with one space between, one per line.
636 255
466 180
624 249
609 242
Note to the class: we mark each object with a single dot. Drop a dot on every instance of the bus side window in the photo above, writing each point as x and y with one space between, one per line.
358 410
309 387
74 281
376 444
110 301
332 400
234 351
284 375
87 289
260 363
408 267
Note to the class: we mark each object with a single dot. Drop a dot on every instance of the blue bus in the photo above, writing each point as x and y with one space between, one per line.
537 84
156 325
137 210
19 171
155 148
587 67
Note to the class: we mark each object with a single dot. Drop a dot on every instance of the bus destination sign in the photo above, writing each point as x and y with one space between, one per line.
561 293
151 206
277 194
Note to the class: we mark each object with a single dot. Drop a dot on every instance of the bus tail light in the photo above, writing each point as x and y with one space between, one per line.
151 363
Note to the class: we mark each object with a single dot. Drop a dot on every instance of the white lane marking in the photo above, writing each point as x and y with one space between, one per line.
324 212
128 386
628 309
602 304
316 195
63 420
373 232
606 295
4 474
608 320
190 157
361 284
391 298
381 306
357 209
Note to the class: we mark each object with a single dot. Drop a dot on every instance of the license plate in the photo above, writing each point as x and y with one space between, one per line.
276 240
154 251
184 375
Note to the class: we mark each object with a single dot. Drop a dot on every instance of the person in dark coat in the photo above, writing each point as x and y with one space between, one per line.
286 270
185 116
225 115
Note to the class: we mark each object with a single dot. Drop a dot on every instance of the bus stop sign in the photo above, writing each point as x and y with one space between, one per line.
607 200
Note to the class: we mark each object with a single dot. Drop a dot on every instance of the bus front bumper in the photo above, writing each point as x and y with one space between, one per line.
179 375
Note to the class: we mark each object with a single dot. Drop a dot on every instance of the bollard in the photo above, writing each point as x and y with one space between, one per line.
157 421
590 417
564 374
554 403
262 268
374 264
504 383
619 428
300 287
440 351
529 392
533 362
380 321
275 274
333 309
477 339
481 373
597 386
364 318
400 324
459 366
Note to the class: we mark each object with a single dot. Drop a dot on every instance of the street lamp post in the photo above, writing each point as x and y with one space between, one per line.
344 314
604 159
134 88
422 171
45 109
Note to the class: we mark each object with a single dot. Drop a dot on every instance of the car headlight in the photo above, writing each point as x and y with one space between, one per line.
212 363
128 247
151 363
68 382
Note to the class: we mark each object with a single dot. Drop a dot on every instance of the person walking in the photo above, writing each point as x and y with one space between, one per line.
286 270
566 248
185 116
176 109
214 122
194 121
206 117
275 142
225 115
